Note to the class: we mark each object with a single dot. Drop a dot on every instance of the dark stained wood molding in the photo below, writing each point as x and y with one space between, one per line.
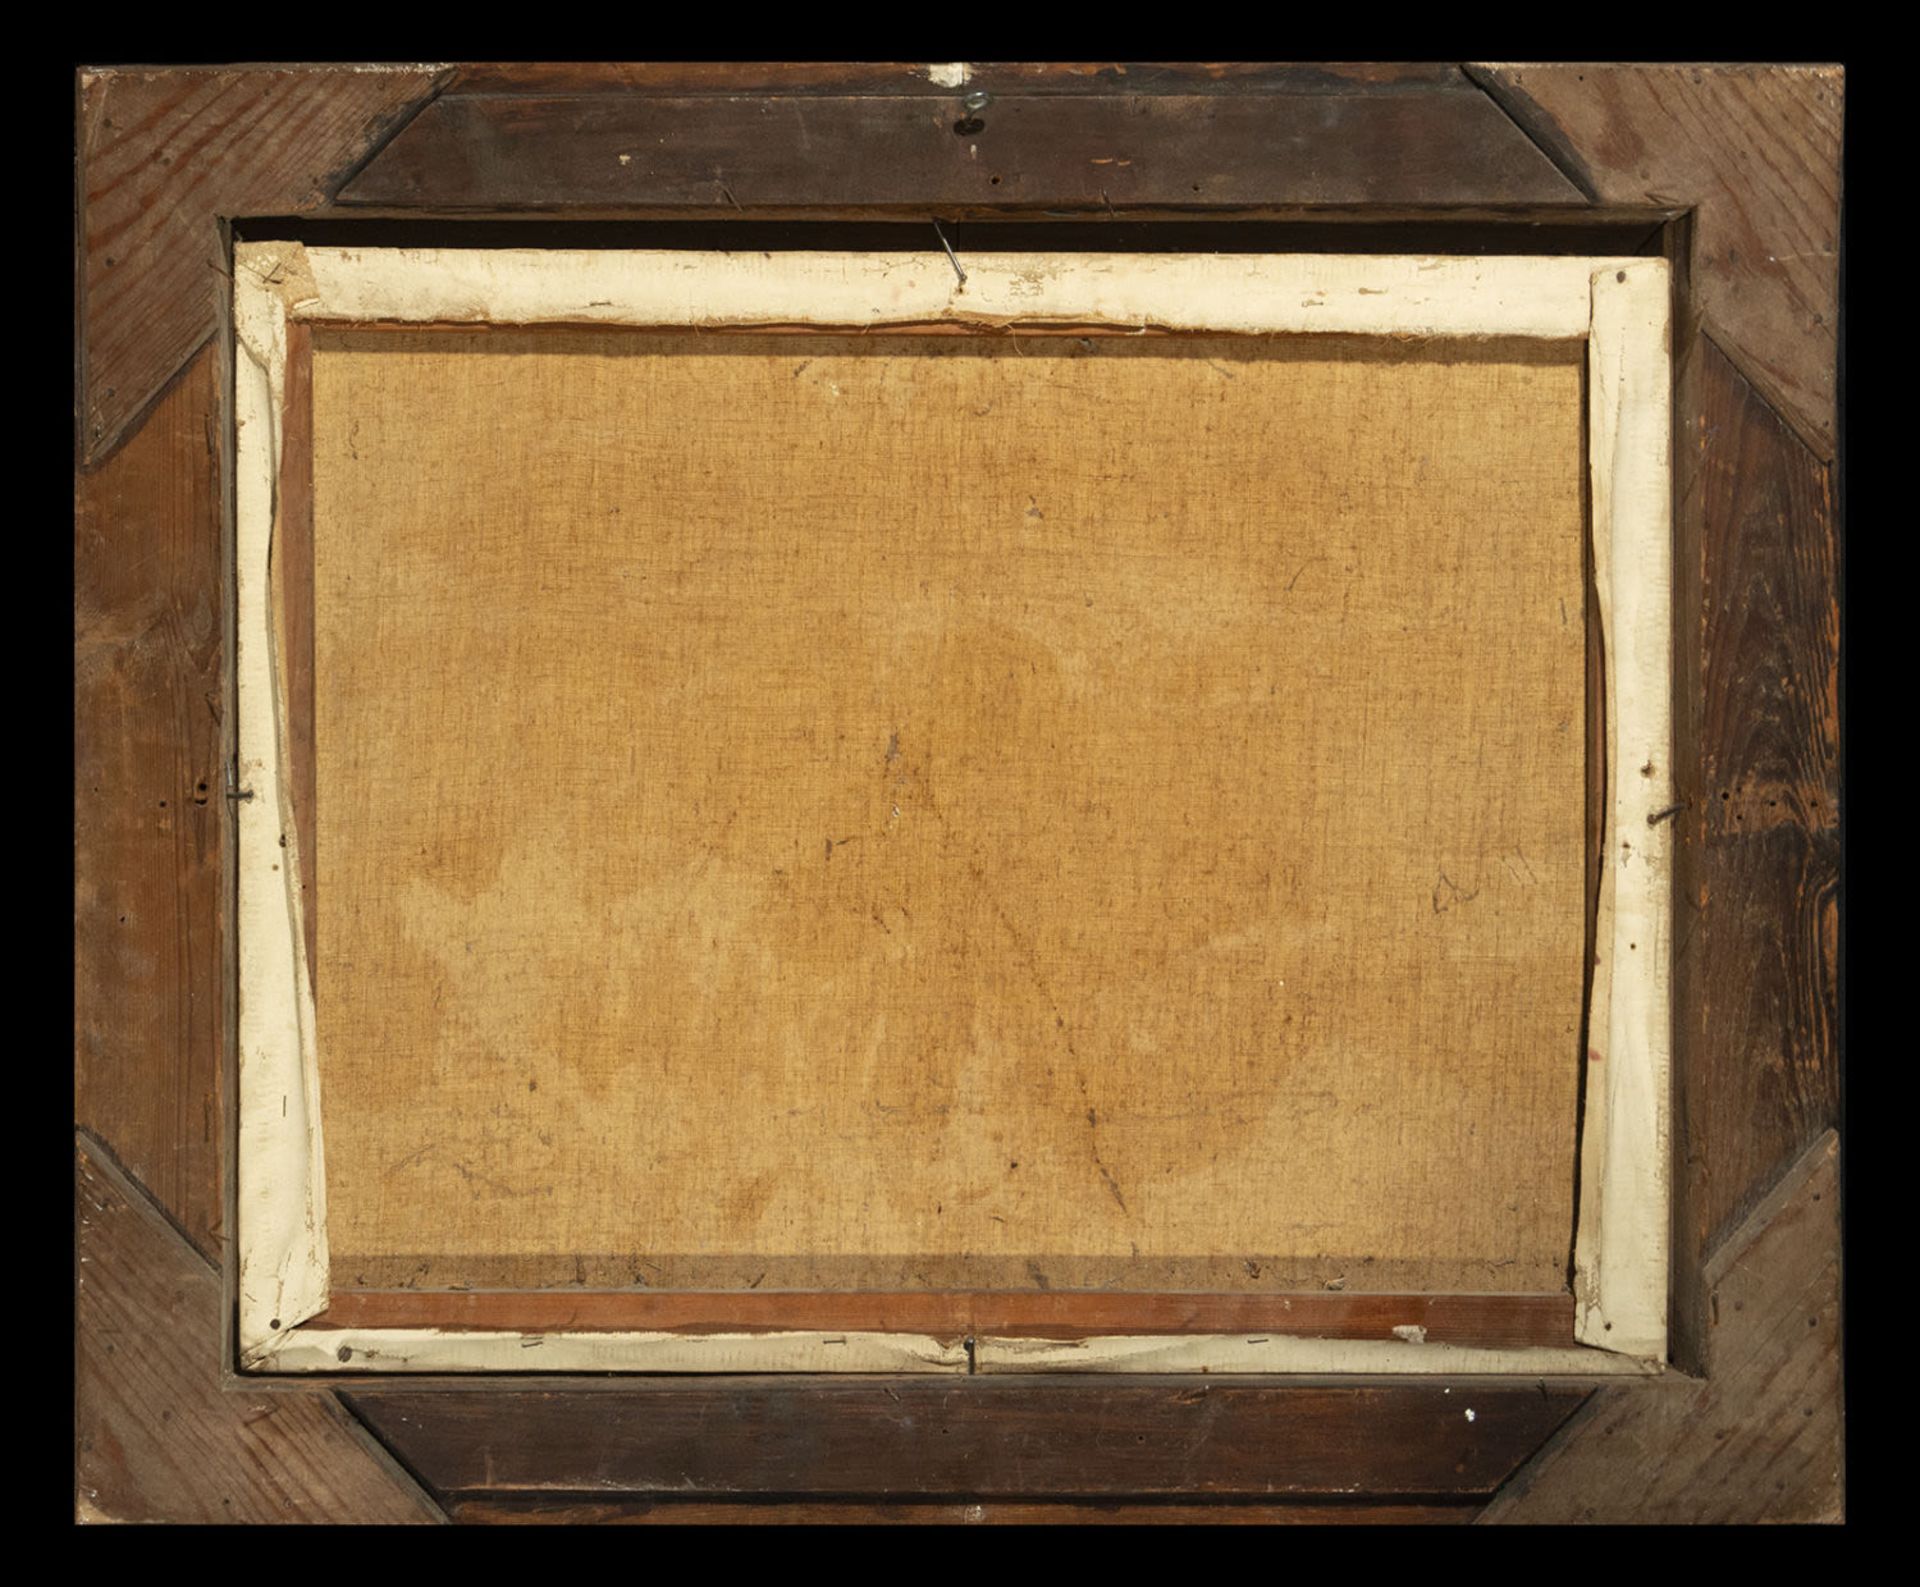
855 1512
159 1437
977 1438
164 157
1541 128
1754 151
1272 142
935 81
1761 1439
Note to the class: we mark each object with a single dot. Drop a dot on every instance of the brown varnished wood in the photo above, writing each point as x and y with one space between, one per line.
507 153
670 1512
983 1437
1760 1440
1488 1321
1771 625
158 1436
1757 918
1754 151
150 806
164 156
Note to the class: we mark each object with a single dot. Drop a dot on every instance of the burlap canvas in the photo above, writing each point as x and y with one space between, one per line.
874 810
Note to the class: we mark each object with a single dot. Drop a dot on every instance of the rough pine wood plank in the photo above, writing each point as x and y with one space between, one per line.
669 1512
1755 150
159 1438
164 156
1758 891
1761 1439
984 1438
149 806
719 153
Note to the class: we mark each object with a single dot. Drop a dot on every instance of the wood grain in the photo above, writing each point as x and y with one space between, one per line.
1483 1320
977 1437
159 1437
1759 949
1758 889
150 735
545 152
1755 151
165 156
1760 1440
671 1512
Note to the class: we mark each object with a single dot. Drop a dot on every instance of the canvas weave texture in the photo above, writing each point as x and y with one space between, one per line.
814 809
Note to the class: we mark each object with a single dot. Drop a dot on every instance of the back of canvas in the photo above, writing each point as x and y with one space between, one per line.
893 811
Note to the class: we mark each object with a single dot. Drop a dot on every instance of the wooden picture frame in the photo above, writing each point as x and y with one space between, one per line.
1430 160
